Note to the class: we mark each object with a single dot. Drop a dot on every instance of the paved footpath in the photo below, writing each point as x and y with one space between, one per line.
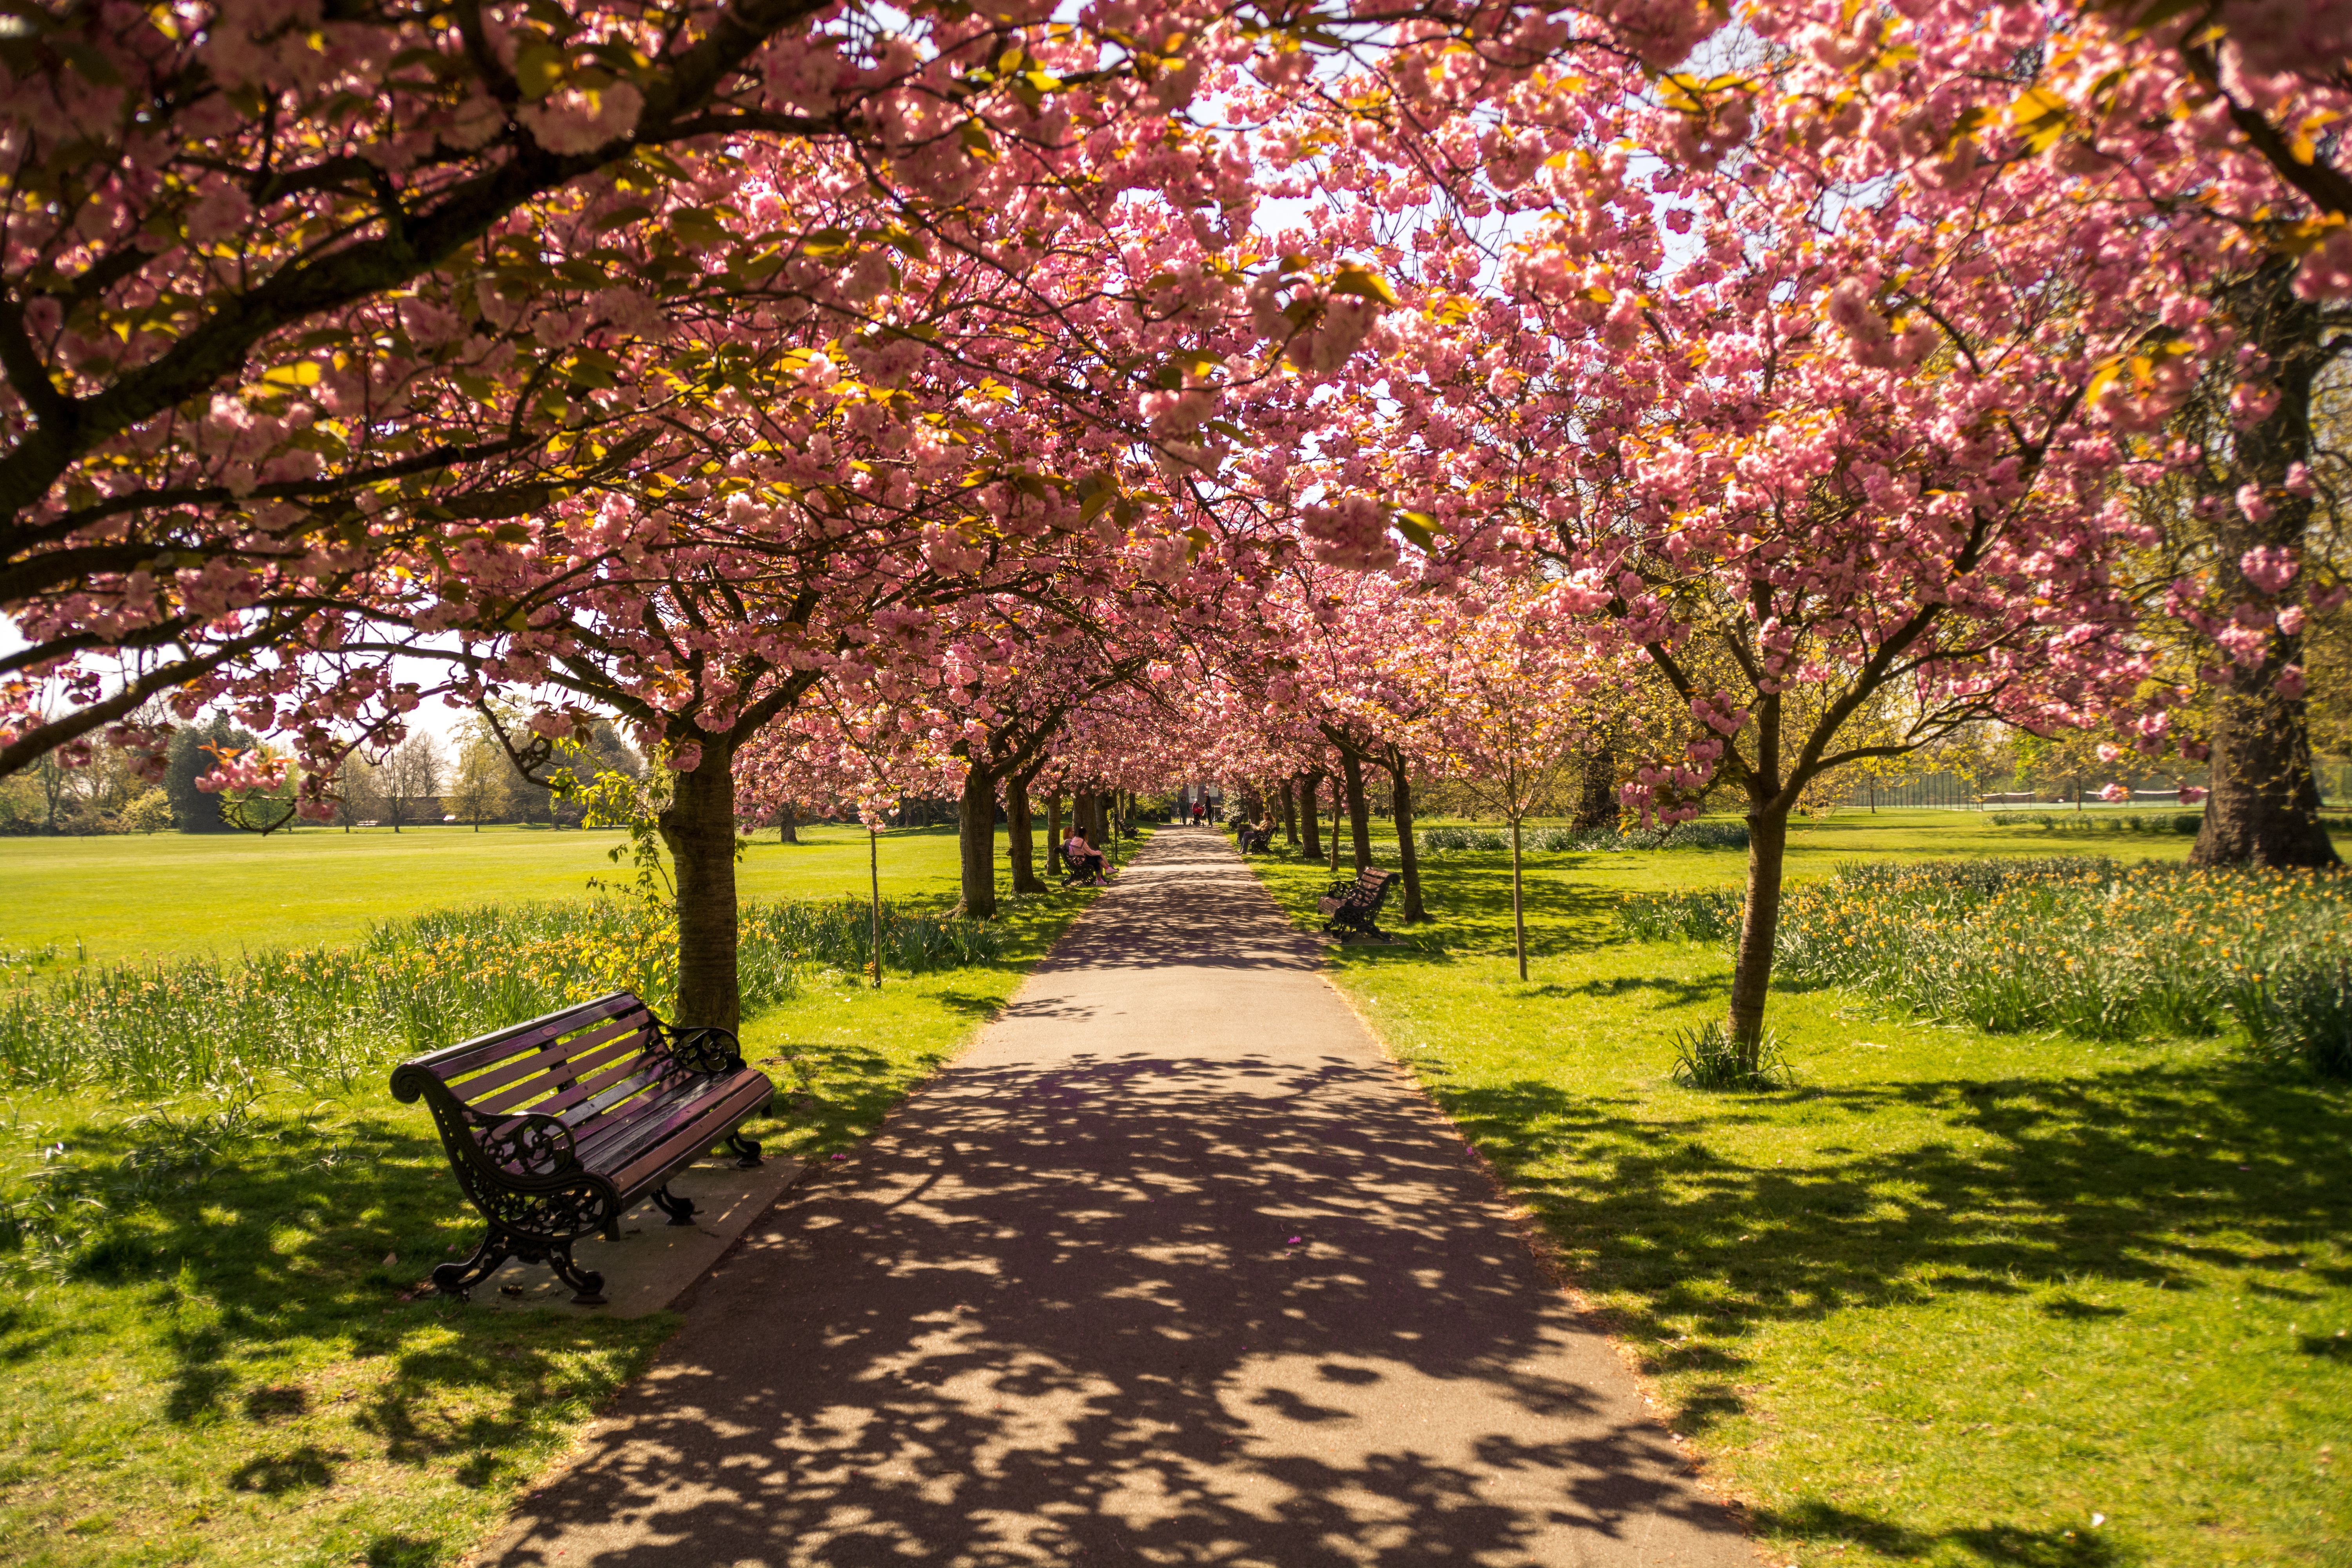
1052 1314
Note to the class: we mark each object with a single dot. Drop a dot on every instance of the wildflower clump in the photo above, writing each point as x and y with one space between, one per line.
336 1013
2085 946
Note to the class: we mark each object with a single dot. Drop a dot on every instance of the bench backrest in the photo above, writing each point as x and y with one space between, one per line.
1372 879
584 1065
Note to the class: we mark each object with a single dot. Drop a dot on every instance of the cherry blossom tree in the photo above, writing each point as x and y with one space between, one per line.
1850 443
1511 703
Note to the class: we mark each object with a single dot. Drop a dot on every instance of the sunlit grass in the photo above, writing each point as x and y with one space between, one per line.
174 894
208 1357
1953 1295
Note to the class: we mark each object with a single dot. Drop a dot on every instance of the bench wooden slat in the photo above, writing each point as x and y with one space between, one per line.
626 1099
688 1136
611 1143
595 1051
549 1058
466 1056
635 1114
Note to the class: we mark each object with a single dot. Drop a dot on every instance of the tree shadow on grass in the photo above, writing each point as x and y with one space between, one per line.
256 1273
2006 1544
1673 991
2112 1176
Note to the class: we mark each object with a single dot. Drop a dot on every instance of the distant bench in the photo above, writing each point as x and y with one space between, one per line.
1356 905
558 1127
1256 840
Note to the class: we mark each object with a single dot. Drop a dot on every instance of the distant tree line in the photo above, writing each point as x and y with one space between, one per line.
468 780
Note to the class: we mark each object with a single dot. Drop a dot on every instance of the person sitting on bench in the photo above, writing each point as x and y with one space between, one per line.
1085 860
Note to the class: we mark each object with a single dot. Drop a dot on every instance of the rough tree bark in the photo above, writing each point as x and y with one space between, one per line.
787 830
976 845
1768 805
1751 973
1408 853
1310 786
2264 806
1020 845
1596 799
698 827
1360 817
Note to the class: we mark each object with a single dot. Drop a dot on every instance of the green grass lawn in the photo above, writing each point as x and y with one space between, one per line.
221 1368
170 894
1954 1299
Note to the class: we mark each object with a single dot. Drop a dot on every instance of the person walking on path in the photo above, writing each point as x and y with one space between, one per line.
1173 1265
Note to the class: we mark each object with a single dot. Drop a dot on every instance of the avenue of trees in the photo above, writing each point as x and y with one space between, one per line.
1683 404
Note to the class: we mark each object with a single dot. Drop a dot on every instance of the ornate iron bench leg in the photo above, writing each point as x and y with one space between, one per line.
458 1280
680 1210
587 1285
747 1151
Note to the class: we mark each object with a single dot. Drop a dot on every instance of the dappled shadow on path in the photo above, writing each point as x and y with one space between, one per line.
1206 1284
1062 1322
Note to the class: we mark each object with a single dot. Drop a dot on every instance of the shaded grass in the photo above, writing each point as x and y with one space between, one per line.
1952 1295
217 1366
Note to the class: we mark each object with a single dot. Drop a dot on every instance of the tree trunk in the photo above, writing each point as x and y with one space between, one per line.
1056 864
1408 853
1290 811
1310 786
700 829
1359 823
976 844
1336 793
787 830
2264 806
1020 845
1751 973
1596 800
1518 911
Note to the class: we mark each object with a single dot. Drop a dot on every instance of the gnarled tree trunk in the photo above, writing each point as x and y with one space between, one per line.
1408 853
1759 926
1596 795
2264 806
1360 817
700 829
1020 845
976 844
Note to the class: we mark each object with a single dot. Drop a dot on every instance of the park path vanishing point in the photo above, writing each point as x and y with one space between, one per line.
1052 1314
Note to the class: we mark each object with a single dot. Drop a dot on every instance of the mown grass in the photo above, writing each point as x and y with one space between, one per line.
177 894
1955 1298
209 1357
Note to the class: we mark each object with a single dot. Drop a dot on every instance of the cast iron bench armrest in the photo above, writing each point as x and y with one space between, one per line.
557 1127
1356 904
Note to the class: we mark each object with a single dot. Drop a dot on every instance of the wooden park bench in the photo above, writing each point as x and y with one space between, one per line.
1255 841
1356 905
558 1127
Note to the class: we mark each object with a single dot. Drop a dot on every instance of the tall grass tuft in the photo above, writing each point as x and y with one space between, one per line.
317 1015
1706 1056
2098 951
